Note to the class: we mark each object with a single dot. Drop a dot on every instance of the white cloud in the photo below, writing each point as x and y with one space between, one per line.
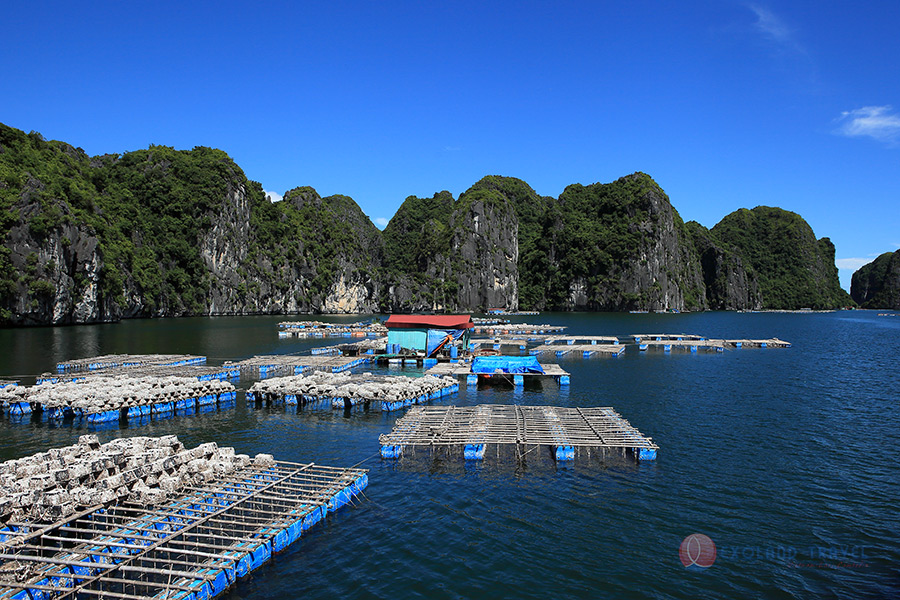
380 222
877 122
771 25
273 196
852 263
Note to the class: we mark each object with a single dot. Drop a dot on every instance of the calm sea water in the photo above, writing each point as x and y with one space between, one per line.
785 458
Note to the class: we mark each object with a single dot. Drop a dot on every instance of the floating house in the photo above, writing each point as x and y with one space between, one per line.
428 333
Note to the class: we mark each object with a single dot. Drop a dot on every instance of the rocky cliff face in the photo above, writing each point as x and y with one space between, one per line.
621 246
729 286
453 255
877 284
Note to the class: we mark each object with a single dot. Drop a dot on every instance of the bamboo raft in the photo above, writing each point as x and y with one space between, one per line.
462 369
584 339
318 329
708 344
200 373
474 427
586 350
518 328
279 365
692 345
661 337
194 543
114 361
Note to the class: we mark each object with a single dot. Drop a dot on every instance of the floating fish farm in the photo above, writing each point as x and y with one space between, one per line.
472 428
140 518
313 329
200 373
518 328
114 361
278 365
585 350
344 390
108 399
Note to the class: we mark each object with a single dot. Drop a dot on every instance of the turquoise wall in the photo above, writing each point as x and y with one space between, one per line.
413 339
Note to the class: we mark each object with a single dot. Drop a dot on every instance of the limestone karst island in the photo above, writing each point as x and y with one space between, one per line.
163 232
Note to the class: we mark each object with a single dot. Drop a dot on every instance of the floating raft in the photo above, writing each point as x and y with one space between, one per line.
514 328
692 345
707 344
472 428
191 543
769 343
660 337
557 340
114 361
109 399
462 369
367 346
196 372
279 365
310 329
585 350
343 390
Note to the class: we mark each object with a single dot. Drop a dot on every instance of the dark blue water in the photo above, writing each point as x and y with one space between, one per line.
785 458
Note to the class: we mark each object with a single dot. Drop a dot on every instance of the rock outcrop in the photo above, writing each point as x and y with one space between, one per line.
877 284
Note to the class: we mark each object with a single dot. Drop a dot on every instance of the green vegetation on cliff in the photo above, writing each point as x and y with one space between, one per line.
877 284
794 269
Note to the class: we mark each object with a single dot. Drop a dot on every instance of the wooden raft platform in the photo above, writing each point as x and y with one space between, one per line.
473 427
197 372
462 369
518 328
583 339
196 545
586 350
661 337
288 364
113 361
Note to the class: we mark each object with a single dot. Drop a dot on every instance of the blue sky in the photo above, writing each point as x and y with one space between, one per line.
726 104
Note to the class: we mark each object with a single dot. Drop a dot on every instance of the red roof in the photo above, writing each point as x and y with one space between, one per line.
435 321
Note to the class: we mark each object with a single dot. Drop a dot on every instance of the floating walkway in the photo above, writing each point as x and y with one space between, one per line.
586 350
110 399
115 361
279 365
218 517
344 391
472 428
